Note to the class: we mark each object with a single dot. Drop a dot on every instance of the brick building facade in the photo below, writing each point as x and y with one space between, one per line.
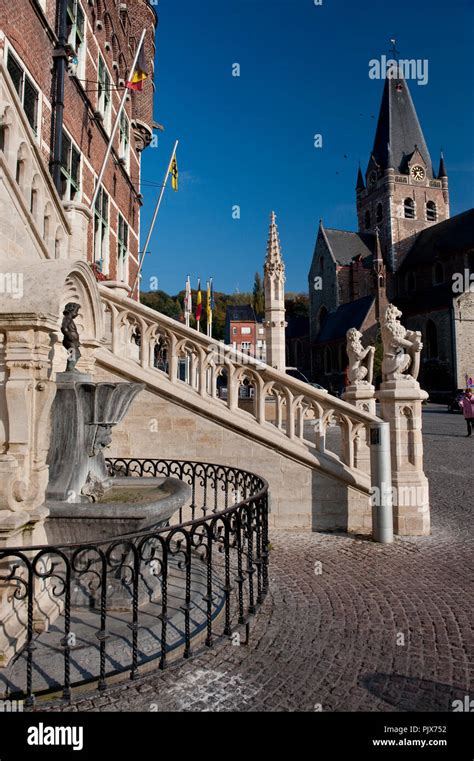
407 250
100 42
244 332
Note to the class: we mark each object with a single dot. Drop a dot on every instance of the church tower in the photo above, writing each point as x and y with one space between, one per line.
401 194
274 282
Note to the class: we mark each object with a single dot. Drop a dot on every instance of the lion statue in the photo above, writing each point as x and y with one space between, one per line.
396 339
359 373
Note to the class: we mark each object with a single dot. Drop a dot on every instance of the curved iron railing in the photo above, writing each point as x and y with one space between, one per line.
217 552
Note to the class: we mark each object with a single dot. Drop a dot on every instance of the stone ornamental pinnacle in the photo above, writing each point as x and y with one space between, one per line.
274 280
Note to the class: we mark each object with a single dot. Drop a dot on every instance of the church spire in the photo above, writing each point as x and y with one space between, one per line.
274 284
360 180
273 245
442 167
398 128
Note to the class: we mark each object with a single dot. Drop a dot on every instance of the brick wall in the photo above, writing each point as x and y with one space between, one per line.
30 34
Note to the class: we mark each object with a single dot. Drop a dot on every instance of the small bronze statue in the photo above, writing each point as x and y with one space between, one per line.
71 336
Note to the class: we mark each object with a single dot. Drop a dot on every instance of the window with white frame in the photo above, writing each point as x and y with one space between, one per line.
246 331
76 38
124 140
122 249
104 103
70 170
245 345
101 231
27 92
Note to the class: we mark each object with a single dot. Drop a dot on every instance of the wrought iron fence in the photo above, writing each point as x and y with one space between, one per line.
111 606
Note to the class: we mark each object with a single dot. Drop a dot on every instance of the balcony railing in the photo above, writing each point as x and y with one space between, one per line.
116 605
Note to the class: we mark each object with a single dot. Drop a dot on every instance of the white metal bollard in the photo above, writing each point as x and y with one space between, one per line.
381 475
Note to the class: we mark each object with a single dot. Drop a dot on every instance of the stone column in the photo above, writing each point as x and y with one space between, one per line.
400 403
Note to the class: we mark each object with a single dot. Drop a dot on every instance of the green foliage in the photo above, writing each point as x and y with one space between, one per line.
258 297
297 305
173 306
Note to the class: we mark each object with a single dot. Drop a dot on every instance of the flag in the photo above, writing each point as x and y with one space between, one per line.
188 299
140 73
199 302
174 174
213 303
208 303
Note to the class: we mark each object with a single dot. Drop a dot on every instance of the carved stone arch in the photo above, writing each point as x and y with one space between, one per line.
81 287
36 198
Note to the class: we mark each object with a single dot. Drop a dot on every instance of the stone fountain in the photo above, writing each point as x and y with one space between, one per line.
86 504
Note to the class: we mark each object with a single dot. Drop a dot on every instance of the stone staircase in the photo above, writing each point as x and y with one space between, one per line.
311 446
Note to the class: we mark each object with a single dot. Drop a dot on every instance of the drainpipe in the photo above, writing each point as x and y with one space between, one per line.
60 58
381 471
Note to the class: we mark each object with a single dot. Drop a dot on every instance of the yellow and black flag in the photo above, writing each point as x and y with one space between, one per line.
174 173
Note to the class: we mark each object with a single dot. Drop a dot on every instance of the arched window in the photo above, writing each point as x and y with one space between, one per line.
21 166
438 274
327 360
34 196
379 214
431 211
323 313
367 219
410 282
409 207
431 340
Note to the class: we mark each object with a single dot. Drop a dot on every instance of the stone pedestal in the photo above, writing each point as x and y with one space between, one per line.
400 405
362 396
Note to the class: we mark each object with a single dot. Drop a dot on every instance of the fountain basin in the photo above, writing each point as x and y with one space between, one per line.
127 505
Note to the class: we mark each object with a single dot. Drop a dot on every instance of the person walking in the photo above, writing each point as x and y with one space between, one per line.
467 404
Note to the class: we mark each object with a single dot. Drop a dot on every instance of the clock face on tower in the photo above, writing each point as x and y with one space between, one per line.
418 173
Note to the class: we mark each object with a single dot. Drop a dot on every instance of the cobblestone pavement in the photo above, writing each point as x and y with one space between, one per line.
382 628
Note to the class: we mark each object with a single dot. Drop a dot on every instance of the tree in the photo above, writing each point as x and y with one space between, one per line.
258 298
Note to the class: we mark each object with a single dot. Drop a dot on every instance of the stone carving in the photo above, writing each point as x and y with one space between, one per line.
93 488
102 438
71 336
396 339
361 361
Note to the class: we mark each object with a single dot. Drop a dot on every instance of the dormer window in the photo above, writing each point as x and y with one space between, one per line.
409 208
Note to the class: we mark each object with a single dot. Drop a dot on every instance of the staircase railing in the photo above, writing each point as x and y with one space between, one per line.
294 410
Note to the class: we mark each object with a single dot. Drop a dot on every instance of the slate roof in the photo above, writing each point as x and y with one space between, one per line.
345 244
441 241
398 126
240 313
350 315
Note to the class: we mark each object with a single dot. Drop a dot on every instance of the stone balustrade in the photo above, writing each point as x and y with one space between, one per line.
216 372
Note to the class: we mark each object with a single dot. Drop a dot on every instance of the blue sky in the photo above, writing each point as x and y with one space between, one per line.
249 140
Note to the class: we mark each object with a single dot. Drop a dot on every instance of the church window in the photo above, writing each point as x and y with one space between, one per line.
367 220
438 273
379 215
431 212
409 207
431 340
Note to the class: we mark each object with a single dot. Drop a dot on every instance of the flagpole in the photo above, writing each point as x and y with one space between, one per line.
157 208
116 123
